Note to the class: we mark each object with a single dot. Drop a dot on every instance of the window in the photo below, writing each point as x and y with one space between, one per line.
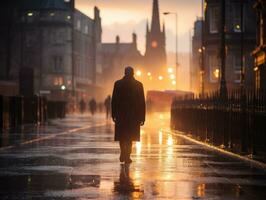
58 37
237 61
237 26
214 68
86 29
214 19
78 24
237 78
57 63
58 80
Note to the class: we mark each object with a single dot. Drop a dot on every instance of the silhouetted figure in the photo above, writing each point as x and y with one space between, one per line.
128 112
82 106
107 104
93 106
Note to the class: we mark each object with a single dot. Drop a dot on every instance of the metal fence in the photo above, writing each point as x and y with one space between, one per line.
237 122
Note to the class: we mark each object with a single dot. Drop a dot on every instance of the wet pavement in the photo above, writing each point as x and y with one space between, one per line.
76 158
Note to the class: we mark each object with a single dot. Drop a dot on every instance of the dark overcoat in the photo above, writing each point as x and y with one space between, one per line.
128 108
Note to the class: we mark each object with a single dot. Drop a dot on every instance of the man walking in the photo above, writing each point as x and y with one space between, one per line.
128 112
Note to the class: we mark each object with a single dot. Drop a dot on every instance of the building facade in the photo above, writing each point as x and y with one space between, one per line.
59 44
196 59
239 43
155 55
260 51
116 56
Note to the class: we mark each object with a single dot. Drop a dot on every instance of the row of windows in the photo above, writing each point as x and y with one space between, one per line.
214 68
81 27
32 16
214 17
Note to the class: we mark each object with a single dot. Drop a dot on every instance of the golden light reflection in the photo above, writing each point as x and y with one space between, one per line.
161 116
170 140
149 74
160 78
138 148
160 137
201 190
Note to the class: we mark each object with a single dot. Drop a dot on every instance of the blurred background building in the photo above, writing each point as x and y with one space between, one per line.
54 42
115 56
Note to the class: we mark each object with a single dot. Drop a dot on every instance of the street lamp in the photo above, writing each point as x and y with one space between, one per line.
170 70
176 44
138 73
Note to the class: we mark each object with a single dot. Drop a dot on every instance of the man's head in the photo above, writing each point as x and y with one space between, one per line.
129 71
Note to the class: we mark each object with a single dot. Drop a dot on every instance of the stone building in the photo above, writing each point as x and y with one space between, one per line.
59 44
260 51
233 35
196 58
116 56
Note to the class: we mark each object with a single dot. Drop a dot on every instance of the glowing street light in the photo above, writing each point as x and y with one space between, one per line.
170 70
149 74
172 76
160 78
63 87
138 73
173 82
30 14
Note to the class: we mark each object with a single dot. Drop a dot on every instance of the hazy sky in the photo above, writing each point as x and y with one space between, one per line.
122 17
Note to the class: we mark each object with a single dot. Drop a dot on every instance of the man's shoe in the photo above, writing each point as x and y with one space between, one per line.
121 158
128 161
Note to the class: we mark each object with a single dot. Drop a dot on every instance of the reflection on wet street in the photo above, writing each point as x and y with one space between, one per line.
84 164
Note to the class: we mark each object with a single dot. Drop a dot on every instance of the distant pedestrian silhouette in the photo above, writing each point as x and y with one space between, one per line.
107 104
82 106
92 106
128 112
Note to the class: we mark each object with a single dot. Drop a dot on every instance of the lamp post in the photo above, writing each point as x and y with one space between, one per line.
223 87
176 44
202 87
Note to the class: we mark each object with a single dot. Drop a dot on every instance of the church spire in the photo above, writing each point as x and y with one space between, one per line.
155 26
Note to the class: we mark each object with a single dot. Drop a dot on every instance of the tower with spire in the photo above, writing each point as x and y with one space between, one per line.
155 55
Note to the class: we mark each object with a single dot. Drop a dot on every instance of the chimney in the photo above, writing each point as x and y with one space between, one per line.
134 40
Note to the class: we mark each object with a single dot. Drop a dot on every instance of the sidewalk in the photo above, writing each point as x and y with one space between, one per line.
28 133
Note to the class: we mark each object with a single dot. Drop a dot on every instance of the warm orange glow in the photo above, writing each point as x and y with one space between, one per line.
160 78
170 140
173 82
172 76
170 70
216 73
138 73
154 44
138 148
149 74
